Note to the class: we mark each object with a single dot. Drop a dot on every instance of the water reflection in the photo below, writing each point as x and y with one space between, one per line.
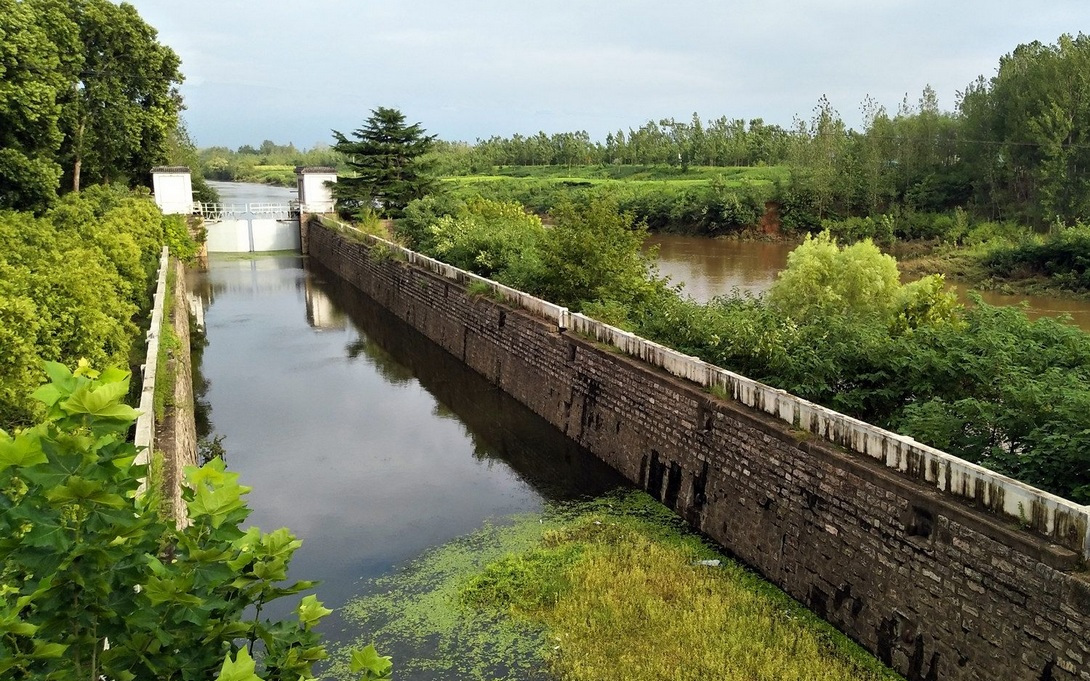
367 440
321 312
252 192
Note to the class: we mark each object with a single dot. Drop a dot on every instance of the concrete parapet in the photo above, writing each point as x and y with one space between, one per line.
175 436
144 437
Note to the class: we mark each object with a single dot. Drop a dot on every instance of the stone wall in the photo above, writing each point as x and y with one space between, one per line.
176 434
934 586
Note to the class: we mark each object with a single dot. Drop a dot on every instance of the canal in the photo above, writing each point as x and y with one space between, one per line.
370 442
373 444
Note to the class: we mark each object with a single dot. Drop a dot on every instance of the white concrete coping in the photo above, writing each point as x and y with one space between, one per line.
144 438
1063 521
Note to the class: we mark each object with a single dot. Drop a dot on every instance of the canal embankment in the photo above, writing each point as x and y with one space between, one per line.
166 430
942 570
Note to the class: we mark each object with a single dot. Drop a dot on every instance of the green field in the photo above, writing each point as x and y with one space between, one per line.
698 200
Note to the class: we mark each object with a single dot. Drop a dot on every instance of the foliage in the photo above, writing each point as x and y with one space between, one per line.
1005 392
84 86
1064 257
496 240
595 253
1033 121
126 81
591 253
86 559
30 86
593 590
414 227
71 283
984 383
384 157
721 202
666 142
268 163
822 279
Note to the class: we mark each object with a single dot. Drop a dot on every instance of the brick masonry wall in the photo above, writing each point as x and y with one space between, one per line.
933 587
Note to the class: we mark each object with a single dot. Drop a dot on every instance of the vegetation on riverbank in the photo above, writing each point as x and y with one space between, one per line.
268 163
99 584
73 284
981 382
611 588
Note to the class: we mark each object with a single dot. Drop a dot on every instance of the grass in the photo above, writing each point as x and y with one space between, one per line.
608 589
479 289
169 344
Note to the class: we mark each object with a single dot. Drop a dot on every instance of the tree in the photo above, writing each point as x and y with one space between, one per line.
84 86
385 157
1028 131
823 280
124 103
30 84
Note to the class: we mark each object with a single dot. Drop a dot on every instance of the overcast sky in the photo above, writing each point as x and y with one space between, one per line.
291 71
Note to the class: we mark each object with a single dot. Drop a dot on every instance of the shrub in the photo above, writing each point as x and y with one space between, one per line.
86 559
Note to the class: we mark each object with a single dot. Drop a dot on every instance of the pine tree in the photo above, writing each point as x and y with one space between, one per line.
385 157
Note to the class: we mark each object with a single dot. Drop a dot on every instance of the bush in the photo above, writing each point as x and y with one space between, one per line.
1065 257
86 559
71 284
494 239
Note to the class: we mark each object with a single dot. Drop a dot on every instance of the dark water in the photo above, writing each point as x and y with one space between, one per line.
371 443
713 267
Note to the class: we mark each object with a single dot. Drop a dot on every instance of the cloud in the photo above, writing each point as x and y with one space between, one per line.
482 67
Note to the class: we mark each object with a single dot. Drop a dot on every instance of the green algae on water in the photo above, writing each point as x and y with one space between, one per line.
616 587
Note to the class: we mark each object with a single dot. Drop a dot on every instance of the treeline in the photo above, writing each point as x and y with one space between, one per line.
73 283
719 142
981 382
87 96
1016 148
268 163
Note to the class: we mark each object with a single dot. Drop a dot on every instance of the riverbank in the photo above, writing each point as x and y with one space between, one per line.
967 266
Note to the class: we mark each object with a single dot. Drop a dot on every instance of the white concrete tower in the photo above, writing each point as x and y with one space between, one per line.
173 189
315 192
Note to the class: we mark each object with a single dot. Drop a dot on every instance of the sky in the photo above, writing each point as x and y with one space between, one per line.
294 71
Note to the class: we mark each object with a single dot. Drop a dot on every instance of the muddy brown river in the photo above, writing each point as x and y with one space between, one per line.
714 267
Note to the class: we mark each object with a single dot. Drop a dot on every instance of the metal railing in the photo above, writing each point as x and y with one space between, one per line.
242 211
